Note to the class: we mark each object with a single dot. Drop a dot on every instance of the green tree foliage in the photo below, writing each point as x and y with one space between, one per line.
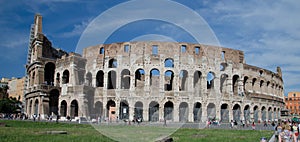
3 92
9 105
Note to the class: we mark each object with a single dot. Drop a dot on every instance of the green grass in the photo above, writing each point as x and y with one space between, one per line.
27 131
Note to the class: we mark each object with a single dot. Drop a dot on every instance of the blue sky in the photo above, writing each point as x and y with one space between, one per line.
267 31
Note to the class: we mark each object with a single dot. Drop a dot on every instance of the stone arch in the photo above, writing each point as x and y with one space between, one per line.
270 114
197 111
235 86
111 80
255 113
138 110
125 79
30 107
154 78
112 63
223 83
183 112
111 109
168 110
63 108
169 77
246 84
124 110
225 112
139 78
53 102
100 78
197 79
275 114
183 78
102 51
253 83
210 80
153 111
58 79
263 113
211 111
236 110
49 72
74 109
36 107
247 113
169 63
98 110
66 77
223 66
89 79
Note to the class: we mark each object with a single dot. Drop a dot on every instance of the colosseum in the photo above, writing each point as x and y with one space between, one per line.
178 82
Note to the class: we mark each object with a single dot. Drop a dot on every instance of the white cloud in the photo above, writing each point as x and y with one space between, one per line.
77 29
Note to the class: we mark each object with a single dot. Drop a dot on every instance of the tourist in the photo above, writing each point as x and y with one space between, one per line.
253 126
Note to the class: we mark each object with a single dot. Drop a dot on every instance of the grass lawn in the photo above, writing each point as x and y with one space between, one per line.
27 131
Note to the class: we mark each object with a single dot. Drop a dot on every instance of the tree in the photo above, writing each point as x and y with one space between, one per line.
3 92
9 105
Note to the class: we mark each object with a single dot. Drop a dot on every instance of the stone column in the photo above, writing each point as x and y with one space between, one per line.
175 112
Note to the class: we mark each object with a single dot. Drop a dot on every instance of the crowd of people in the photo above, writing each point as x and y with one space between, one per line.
287 131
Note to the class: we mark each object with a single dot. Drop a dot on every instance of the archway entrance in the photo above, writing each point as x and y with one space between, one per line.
168 110
183 112
224 113
53 102
63 108
211 111
111 110
138 110
236 112
247 113
124 110
153 111
197 111
74 109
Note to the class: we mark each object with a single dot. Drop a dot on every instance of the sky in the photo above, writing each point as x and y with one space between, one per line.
267 31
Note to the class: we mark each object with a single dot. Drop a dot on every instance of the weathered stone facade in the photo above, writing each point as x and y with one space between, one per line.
152 80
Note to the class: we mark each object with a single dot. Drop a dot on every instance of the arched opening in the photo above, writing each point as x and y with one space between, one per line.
36 107
183 78
101 51
89 79
223 66
111 80
211 111
223 84
139 78
74 109
111 110
98 109
30 107
275 114
247 113
169 76
245 83
57 79
63 108
49 72
235 86
153 111
263 113
270 114
197 79
224 113
253 83
53 102
168 110
183 112
255 115
124 110
33 79
65 77
112 63
154 78
100 79
169 63
138 110
210 80
197 111
125 79
236 112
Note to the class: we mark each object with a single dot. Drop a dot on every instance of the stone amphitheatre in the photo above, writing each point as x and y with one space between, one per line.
178 82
